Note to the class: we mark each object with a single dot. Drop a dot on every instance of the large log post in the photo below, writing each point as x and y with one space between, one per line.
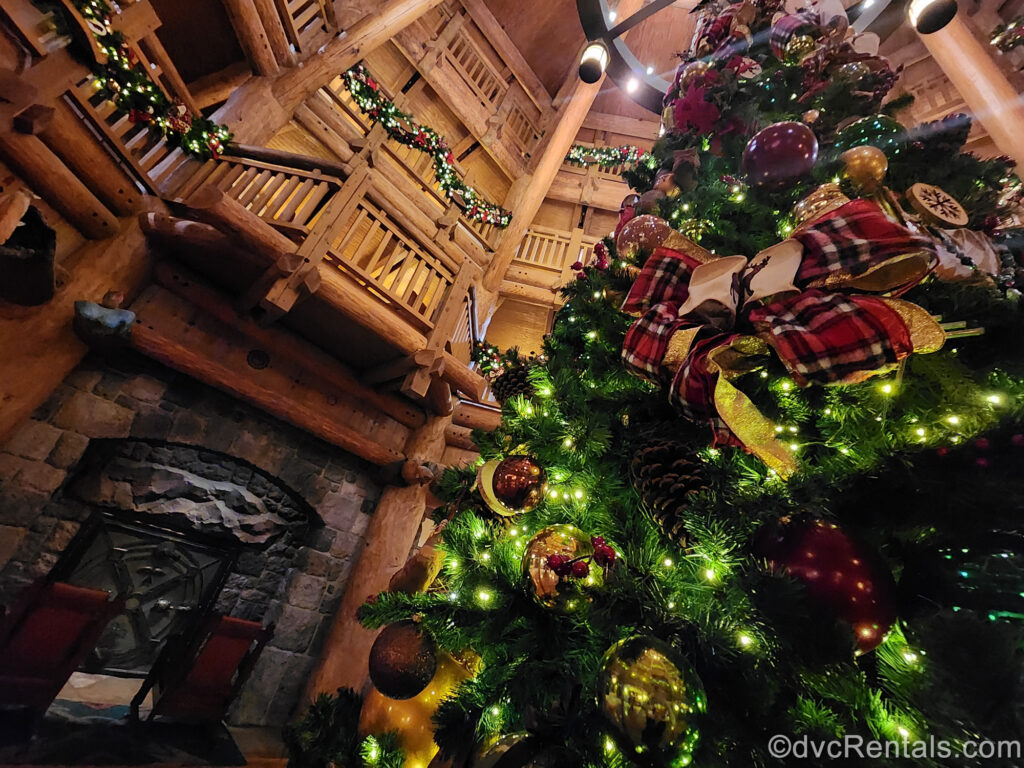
48 177
527 193
993 99
389 539
70 140
245 18
271 20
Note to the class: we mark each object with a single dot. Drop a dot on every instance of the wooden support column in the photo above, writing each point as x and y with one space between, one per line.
38 349
390 536
245 18
993 100
48 177
270 17
70 140
527 193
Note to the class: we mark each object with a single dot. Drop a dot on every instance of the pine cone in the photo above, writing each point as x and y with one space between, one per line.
514 381
665 473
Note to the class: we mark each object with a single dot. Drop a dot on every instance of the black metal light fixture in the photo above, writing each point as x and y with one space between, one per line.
607 52
928 16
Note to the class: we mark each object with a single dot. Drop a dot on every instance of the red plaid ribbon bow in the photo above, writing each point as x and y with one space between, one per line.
704 320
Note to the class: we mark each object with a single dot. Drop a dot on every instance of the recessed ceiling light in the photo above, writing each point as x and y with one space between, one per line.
650 70
612 15
632 85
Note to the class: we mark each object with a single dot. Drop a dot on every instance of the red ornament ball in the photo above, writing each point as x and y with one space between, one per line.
982 444
840 574
780 154
1018 441
580 569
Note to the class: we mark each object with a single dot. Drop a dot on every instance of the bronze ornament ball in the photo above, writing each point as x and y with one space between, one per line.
691 71
562 593
865 167
403 660
652 698
512 485
810 116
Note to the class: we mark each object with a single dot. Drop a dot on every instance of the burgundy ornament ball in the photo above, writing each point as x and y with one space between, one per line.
840 574
512 485
780 154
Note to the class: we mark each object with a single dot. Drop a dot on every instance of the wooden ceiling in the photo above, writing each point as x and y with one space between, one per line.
549 36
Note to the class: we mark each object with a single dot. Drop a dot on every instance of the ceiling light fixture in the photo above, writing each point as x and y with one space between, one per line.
594 62
928 16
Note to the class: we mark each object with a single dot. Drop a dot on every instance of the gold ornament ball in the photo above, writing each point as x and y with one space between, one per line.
799 48
865 167
512 485
691 72
810 116
562 593
411 718
403 660
822 200
652 698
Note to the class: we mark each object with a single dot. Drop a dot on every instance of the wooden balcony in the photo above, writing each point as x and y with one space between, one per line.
543 264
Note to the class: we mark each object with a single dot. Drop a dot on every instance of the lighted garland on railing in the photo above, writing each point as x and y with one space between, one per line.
132 91
609 157
1008 36
404 129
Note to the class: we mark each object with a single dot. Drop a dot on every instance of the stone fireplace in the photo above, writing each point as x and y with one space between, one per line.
135 479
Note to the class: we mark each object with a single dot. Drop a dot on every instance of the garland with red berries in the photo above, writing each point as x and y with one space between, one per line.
405 130
609 157
127 84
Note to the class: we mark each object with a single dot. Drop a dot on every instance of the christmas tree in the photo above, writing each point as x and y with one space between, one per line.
765 479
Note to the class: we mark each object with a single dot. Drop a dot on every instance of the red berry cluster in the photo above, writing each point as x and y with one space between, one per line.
579 568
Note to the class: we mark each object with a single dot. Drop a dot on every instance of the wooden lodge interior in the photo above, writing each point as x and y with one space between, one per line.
303 305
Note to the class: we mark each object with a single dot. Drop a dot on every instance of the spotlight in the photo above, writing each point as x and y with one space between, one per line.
632 85
927 16
593 63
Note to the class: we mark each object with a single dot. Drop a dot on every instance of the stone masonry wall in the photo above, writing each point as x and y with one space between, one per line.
128 396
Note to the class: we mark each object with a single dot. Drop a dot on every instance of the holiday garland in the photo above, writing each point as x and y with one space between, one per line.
1008 36
609 157
129 87
401 127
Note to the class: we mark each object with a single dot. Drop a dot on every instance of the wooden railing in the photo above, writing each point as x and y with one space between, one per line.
334 105
554 250
483 77
378 253
290 199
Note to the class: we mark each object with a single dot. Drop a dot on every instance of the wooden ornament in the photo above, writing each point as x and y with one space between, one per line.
936 206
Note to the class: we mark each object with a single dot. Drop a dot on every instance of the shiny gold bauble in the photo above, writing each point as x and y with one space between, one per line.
822 200
643 233
691 72
854 71
799 48
810 116
494 749
565 594
403 660
652 698
512 485
411 718
865 167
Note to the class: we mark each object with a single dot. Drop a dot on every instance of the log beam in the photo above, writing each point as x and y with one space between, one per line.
169 331
72 142
282 344
270 18
476 416
48 177
245 18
